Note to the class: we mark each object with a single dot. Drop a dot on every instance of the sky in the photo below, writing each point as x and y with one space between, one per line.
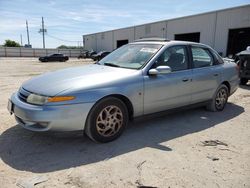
67 20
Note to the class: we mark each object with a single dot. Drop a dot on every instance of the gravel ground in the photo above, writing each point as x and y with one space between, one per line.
166 151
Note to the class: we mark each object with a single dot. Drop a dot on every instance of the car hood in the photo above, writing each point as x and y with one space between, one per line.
84 77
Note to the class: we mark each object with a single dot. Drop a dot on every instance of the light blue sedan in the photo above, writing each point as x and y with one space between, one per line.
144 77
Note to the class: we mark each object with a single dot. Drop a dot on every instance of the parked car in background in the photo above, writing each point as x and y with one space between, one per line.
54 57
83 54
243 61
100 55
140 78
90 54
87 54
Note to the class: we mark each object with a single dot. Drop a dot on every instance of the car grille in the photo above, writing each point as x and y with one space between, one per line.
23 94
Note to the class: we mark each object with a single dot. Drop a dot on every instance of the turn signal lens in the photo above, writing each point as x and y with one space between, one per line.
60 98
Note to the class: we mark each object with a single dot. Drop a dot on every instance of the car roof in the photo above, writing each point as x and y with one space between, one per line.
163 41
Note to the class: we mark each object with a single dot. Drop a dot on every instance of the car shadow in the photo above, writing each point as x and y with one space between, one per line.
48 152
247 86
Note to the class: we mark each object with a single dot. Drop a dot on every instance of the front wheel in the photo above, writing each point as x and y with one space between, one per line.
107 120
219 100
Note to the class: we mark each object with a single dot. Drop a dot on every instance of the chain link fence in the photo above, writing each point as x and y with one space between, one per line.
35 52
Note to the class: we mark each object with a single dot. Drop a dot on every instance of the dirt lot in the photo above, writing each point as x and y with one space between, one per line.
163 151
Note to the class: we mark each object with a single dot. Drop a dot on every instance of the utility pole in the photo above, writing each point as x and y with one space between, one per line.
27 28
21 39
43 31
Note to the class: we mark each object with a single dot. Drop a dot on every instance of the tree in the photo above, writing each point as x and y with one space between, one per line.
11 43
62 47
69 47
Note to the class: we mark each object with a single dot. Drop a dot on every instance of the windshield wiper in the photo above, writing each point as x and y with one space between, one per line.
112 65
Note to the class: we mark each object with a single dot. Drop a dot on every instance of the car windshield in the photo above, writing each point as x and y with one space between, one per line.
132 56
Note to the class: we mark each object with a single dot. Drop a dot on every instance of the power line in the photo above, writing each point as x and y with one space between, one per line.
63 39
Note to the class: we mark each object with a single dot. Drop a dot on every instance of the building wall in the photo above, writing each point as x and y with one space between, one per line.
205 24
123 34
230 19
90 42
213 28
157 29
104 41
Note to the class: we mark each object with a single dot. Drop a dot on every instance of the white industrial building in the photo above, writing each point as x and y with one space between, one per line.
227 31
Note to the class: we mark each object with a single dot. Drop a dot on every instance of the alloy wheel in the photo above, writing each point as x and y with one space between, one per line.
221 98
109 121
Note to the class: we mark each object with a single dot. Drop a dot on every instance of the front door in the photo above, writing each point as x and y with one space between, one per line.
170 90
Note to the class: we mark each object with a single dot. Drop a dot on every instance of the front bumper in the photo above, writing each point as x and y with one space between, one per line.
44 118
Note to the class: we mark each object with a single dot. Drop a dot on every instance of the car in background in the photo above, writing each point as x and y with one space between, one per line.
86 54
243 61
83 54
137 79
54 57
100 55
90 54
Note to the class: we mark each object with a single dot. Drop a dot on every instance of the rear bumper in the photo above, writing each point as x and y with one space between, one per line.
56 118
234 85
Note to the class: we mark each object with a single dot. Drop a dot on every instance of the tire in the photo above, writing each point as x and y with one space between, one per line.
107 120
243 81
219 100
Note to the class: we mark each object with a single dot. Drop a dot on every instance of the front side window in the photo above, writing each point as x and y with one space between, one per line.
201 57
132 56
175 57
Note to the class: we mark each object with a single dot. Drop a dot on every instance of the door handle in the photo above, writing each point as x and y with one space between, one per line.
216 74
185 79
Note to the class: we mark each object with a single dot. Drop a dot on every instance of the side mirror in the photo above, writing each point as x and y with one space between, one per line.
160 70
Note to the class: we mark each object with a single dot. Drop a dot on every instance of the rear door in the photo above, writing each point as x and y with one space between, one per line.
206 74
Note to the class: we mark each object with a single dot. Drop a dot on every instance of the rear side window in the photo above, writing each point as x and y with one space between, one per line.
201 57
217 58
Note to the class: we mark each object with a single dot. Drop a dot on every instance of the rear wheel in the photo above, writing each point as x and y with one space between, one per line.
243 81
219 100
107 120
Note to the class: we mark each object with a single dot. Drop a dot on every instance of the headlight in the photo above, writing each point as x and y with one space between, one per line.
40 100
37 99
